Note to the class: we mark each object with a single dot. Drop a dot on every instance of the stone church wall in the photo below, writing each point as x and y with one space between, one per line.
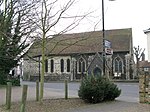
32 69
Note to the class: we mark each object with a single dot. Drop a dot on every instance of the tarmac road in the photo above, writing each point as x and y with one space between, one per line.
127 102
130 91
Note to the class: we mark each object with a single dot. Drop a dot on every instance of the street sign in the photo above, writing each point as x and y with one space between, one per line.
108 51
107 44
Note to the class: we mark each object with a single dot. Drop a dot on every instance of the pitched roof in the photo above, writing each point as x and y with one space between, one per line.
85 42
144 64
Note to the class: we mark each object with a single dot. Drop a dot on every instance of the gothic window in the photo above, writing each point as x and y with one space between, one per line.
68 65
46 65
82 66
62 65
52 65
118 65
97 71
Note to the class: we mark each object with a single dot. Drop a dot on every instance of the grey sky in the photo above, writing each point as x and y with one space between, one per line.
118 14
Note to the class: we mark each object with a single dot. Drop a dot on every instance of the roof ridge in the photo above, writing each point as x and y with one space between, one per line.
117 29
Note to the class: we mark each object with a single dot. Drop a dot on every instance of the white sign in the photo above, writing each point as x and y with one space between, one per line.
107 44
109 51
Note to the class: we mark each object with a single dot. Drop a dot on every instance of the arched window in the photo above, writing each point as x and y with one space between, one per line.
68 65
97 71
118 65
62 65
82 66
52 65
46 65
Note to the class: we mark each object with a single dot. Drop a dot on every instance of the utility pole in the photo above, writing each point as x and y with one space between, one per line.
103 31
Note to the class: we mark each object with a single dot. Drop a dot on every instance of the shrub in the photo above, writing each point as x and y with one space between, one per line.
15 81
97 89
3 78
111 91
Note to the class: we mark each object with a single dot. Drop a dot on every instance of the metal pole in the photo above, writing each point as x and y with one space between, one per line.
39 70
103 31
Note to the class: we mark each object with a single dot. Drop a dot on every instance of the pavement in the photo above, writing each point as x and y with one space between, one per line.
31 95
51 93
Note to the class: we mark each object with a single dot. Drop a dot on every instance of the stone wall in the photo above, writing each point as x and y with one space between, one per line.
51 77
144 88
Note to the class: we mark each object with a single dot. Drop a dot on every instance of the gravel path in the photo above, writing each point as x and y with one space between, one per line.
114 106
78 105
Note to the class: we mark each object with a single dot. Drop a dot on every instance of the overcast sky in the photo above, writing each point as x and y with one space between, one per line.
133 14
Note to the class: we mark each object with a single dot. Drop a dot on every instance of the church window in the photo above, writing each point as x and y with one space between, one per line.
62 65
52 65
82 66
118 65
46 65
68 65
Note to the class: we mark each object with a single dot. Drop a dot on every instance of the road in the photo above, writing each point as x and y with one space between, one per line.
130 91
126 102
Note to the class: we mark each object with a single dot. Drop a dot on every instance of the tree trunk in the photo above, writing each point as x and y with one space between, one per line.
43 68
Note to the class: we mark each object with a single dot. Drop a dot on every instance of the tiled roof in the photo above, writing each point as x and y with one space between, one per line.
86 42
144 64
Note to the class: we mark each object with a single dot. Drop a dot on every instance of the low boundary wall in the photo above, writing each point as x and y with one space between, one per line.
144 88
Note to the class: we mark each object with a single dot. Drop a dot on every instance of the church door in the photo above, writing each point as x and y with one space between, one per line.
97 71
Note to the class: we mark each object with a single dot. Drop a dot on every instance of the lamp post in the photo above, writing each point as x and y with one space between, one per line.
103 31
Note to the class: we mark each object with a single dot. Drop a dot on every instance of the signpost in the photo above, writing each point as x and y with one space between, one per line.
108 49
107 44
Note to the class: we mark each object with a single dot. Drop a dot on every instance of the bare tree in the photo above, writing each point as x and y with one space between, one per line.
138 54
48 15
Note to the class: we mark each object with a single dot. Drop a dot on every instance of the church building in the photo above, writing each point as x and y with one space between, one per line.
76 55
